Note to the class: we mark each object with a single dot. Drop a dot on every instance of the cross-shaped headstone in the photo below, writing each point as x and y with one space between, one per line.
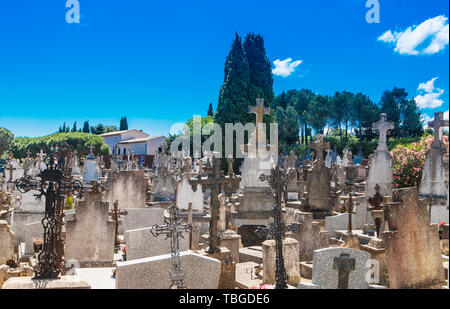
91 149
438 125
382 126
115 214
216 182
344 264
319 146
173 230
278 228
11 170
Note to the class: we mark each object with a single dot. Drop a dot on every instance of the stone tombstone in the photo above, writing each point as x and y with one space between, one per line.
142 217
202 272
319 199
231 240
380 170
90 235
413 251
308 235
90 168
328 158
75 165
6 242
291 261
290 168
434 181
33 231
129 188
335 268
337 223
186 195
141 244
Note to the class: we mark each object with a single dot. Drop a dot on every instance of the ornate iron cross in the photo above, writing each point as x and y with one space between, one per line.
173 229
54 183
115 214
375 203
344 264
277 228
217 183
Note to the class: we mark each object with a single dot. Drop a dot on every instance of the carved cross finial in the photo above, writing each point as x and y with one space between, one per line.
382 126
438 125
259 110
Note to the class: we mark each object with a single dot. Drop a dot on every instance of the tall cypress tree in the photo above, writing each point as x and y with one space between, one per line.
210 110
233 99
123 124
86 127
261 79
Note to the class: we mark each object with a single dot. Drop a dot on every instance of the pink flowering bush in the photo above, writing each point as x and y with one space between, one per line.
408 161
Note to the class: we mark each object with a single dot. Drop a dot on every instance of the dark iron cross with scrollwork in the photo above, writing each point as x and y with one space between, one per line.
173 230
54 183
277 228
115 214
376 204
217 182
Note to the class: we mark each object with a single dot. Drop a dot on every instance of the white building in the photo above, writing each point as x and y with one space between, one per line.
130 141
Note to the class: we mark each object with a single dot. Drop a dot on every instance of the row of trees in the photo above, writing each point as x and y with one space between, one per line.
98 129
299 112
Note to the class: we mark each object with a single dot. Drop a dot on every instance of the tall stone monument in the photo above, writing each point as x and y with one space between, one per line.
380 171
434 181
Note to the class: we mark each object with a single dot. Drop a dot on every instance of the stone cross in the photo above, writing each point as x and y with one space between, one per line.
173 230
344 264
438 124
278 228
91 148
11 169
259 110
216 182
382 126
319 146
115 214
290 161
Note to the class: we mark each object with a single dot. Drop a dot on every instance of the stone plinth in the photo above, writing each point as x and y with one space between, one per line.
230 239
376 249
227 278
7 272
64 282
202 272
291 261
413 250
351 241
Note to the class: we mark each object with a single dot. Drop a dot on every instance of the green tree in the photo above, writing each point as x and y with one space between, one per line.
123 124
412 125
86 127
280 119
292 126
210 110
363 113
74 128
6 138
318 113
98 129
107 129
234 93
392 102
261 78
301 103
339 107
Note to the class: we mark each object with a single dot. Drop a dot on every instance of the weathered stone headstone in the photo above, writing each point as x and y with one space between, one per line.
291 261
202 272
413 250
90 234
6 242
339 268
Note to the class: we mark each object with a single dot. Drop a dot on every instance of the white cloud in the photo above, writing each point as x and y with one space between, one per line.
435 30
425 120
286 67
430 98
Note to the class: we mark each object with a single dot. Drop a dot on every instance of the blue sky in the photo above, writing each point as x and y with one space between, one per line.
161 62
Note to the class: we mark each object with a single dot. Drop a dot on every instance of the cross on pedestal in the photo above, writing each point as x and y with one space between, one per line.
11 170
277 228
375 203
91 148
54 183
173 229
115 214
319 146
344 264
259 110
382 126
438 125
216 182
